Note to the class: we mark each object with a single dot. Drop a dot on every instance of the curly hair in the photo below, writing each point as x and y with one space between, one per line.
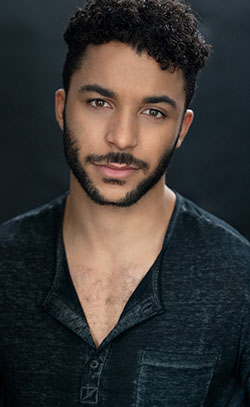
166 29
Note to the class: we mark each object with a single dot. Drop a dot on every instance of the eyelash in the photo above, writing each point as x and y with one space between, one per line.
92 101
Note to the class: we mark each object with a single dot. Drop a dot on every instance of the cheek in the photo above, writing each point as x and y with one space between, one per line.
89 134
159 134
156 145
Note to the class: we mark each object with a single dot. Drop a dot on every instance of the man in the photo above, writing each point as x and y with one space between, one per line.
122 292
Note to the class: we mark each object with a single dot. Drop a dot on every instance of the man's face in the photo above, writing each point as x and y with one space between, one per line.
122 121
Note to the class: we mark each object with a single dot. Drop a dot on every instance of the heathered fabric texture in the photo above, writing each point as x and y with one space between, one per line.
182 339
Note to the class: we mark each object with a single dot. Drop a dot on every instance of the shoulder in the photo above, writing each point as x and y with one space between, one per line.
28 254
31 229
206 272
201 240
206 228
28 257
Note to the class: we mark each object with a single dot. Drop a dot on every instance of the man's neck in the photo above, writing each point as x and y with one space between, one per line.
107 230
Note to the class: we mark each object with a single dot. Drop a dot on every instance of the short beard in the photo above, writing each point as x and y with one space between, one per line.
71 150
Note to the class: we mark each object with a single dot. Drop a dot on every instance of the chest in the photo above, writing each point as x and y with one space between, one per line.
103 296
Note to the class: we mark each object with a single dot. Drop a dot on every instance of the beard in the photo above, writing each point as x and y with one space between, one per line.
71 150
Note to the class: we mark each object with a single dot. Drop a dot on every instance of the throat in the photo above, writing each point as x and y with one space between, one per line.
107 268
112 229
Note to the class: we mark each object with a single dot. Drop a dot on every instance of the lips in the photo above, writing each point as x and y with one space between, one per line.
119 166
116 170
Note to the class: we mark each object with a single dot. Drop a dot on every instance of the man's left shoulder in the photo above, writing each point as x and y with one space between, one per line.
211 237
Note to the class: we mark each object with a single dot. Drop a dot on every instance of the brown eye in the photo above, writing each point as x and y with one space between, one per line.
154 113
98 103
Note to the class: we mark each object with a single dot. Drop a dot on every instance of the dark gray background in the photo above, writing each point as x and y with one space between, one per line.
212 168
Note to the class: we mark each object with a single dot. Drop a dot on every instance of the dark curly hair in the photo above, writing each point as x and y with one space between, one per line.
166 29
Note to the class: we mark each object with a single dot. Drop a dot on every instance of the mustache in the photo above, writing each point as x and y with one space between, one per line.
117 158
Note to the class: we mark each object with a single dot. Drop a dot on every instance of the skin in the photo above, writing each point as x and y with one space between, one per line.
97 237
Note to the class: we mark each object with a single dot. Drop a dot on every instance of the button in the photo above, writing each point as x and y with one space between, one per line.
94 364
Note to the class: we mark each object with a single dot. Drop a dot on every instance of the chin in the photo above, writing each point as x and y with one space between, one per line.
111 198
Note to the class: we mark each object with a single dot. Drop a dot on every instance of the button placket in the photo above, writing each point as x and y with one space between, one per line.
91 379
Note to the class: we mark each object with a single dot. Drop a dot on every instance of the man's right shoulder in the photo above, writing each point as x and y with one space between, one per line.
30 230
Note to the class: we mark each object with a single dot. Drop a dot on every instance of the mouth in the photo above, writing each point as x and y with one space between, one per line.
116 170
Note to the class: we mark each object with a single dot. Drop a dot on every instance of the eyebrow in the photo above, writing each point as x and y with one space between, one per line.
160 99
111 94
98 89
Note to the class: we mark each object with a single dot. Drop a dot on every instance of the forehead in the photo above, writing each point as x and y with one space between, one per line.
119 67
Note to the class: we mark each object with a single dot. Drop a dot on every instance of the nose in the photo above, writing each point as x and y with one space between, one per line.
122 132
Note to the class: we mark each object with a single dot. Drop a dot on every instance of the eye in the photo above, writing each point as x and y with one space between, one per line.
98 103
157 114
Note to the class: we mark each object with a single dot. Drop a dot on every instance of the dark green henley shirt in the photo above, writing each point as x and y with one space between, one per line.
182 339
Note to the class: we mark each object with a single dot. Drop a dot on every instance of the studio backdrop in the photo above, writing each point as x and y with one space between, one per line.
212 168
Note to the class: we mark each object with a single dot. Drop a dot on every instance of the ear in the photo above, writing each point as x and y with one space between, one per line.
60 99
186 123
